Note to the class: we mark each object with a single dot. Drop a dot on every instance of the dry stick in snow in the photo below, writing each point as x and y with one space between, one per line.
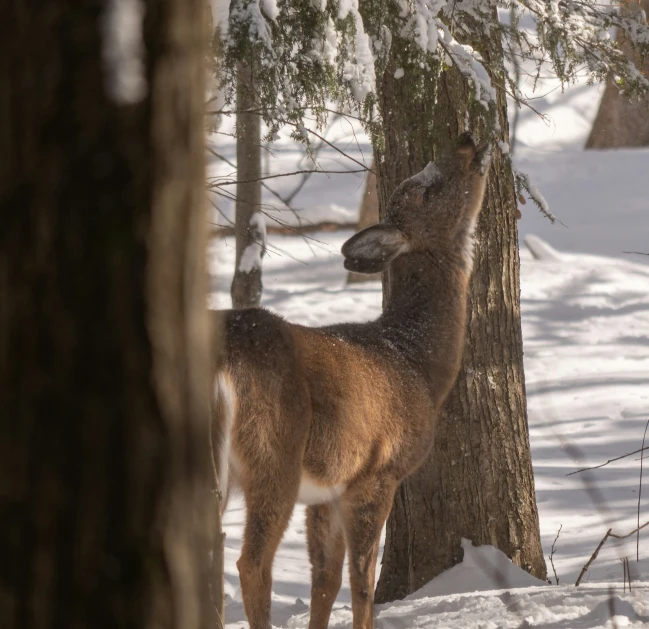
609 533
626 573
637 543
556 578
617 458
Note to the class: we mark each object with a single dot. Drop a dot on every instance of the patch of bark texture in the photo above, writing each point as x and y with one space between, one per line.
105 475
477 481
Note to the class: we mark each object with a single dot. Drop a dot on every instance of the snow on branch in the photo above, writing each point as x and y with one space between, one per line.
308 53
254 252
358 69
123 51
522 182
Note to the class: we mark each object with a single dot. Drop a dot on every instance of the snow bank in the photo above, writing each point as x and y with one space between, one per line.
482 568
586 339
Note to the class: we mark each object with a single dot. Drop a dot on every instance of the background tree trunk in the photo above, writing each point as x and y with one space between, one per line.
104 347
478 481
368 215
249 228
619 121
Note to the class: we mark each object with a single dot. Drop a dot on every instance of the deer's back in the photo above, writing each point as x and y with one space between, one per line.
331 399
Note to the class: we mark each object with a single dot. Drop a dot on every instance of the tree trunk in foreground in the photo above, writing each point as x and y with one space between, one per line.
105 474
620 122
477 482
368 216
250 231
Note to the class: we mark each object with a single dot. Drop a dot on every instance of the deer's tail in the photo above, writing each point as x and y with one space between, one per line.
221 431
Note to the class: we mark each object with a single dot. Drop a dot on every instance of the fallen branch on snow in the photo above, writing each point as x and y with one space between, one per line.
609 533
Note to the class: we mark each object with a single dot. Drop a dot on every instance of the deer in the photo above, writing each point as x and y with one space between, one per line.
335 417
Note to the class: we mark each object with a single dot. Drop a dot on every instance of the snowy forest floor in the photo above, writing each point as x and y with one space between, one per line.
586 334
586 340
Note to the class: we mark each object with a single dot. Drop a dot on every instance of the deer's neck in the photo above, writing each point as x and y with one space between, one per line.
425 316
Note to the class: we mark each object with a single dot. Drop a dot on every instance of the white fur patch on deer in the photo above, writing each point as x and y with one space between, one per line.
226 397
311 493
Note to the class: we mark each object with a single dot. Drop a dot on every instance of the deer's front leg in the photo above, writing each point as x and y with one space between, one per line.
326 545
366 506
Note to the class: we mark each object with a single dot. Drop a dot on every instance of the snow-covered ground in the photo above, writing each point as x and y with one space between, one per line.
585 312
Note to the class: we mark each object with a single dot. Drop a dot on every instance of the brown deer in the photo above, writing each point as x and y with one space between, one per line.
335 417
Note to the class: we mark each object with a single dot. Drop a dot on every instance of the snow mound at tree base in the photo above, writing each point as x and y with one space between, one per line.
548 607
483 568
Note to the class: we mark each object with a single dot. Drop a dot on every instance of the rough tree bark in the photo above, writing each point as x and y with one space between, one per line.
619 121
249 226
478 481
368 216
105 475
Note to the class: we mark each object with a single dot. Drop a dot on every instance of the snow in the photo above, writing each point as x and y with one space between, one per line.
398 73
540 249
123 51
270 9
358 71
586 333
482 569
253 253
427 175
585 317
220 13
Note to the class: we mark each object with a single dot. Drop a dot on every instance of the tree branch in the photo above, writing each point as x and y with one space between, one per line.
617 458
609 533
296 172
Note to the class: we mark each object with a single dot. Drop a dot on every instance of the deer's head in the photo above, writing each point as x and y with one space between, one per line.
435 209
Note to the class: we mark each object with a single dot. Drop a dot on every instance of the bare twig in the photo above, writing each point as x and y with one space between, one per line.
276 194
639 253
617 458
556 578
637 543
593 557
628 572
234 182
609 533
330 144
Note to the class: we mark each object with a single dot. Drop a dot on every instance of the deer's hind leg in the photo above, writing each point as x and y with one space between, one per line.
365 507
268 510
326 544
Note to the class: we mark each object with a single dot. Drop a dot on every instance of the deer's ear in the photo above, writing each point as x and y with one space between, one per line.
373 249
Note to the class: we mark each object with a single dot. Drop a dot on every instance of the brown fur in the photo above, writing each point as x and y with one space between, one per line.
352 404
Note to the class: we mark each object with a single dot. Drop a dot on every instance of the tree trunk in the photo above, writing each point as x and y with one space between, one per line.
104 342
368 216
621 122
250 232
477 482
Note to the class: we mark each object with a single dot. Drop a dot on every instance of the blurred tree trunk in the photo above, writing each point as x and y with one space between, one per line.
477 482
368 215
105 474
619 121
250 232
